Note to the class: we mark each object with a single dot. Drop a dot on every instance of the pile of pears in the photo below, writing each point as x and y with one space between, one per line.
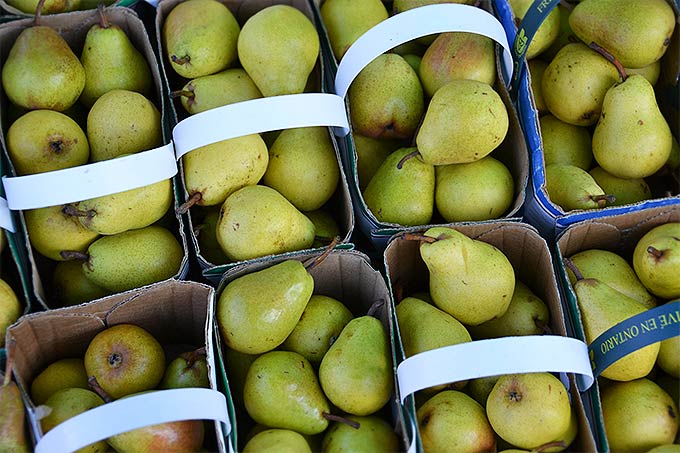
74 111
593 68
259 194
56 6
474 295
639 392
121 361
425 120
308 373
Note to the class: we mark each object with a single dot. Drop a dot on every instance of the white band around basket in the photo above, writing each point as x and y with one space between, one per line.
134 412
498 356
6 220
257 116
91 180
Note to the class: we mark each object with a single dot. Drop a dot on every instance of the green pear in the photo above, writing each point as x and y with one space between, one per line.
665 448
206 235
651 72
50 230
45 140
656 260
111 62
669 356
564 143
527 314
452 421
529 410
256 312
536 70
480 388
10 309
464 122
611 269
347 20
386 99
547 32
326 228
479 190
371 153
635 33
575 82
49 7
565 35
373 434
125 359
303 167
277 440
638 415
281 390
414 61
237 364
279 47
402 190
12 424
215 90
58 375
41 71
457 55
471 280
318 328
356 373
189 369
199 38
70 286
257 221
624 190
122 122
571 188
404 5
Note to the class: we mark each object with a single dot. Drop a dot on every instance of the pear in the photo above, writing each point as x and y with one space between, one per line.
281 390
41 71
303 167
206 235
656 260
565 35
199 38
471 280
479 190
256 312
571 188
70 286
669 356
237 364
480 388
529 410
638 415
402 190
45 140
635 33
665 448
58 375
318 328
575 82
651 72
50 230
257 221
125 359
614 271
464 122
625 190
356 373
215 90
457 55
371 153
10 309
547 32
277 440
405 5
564 143
12 424
631 143
189 369
326 228
122 122
452 421
414 61
386 99
278 47
49 7
536 70
347 20
373 434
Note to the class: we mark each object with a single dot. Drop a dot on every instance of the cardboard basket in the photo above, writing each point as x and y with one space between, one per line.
402 28
347 276
96 179
178 314
619 234
530 257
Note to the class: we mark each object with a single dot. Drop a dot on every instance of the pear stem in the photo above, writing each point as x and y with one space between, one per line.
612 59
313 262
195 355
74 255
72 211
570 264
656 253
544 447
603 200
104 21
193 199
8 372
338 418
38 12
403 160
180 93
419 237
94 385
180 61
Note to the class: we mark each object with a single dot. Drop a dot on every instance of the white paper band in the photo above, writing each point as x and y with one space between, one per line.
134 412
6 220
91 180
256 116
482 358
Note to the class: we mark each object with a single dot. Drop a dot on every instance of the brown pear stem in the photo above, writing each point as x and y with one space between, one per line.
69 255
403 160
180 93
103 20
338 418
180 60
38 12
570 264
612 59
94 385
72 211
313 262
193 199
418 237
656 253
195 355
603 200
544 447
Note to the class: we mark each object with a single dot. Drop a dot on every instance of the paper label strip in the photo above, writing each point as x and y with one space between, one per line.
482 358
643 329
130 413
256 116
6 219
91 180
